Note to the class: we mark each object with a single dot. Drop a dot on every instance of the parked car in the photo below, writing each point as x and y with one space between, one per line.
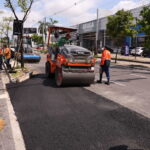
137 51
146 52
123 50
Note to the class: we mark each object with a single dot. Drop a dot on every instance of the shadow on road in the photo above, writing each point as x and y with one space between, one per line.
122 147
128 80
131 67
51 82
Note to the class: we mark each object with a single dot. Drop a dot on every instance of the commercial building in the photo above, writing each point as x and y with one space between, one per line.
87 33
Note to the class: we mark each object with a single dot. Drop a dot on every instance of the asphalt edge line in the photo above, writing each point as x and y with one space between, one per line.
16 131
115 100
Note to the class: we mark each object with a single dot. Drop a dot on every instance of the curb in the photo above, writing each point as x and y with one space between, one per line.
16 131
25 77
127 60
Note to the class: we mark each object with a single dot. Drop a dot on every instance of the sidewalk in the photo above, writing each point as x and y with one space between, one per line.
130 61
10 136
6 137
130 58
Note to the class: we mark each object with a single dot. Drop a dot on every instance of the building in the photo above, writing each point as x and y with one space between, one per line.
87 33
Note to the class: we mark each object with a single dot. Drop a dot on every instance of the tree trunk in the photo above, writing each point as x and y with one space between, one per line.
116 57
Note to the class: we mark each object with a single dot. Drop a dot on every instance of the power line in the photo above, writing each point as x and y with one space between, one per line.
139 4
63 10
67 8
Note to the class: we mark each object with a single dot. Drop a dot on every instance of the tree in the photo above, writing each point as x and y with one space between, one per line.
25 7
145 24
5 27
43 26
37 39
52 21
119 26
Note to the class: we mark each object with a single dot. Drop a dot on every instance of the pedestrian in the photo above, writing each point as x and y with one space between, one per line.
7 55
105 64
1 59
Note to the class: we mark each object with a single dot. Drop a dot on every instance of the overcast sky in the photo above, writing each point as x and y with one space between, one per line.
83 11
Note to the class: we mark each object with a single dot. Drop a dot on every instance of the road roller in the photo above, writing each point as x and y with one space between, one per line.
70 64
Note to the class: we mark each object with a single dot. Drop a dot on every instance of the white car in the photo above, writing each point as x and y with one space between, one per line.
137 51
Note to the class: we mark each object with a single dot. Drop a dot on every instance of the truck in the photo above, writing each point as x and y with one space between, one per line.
69 64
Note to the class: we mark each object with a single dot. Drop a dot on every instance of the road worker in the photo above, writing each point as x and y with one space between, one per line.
7 54
1 58
105 64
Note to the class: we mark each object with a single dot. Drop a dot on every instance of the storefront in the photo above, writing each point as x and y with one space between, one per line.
87 33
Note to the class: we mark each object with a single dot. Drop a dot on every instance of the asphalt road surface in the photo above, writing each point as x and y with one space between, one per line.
73 118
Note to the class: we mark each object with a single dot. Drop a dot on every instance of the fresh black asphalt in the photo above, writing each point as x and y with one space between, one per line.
72 118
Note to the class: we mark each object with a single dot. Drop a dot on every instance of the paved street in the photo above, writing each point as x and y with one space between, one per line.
74 118
129 86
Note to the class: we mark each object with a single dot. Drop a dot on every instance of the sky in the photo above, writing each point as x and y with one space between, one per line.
73 12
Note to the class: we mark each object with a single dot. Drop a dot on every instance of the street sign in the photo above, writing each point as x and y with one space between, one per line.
17 27
29 30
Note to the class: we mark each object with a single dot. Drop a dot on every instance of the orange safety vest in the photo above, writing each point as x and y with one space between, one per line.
1 52
106 55
7 53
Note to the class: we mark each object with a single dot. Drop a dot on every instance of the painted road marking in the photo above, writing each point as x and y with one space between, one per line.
138 75
118 83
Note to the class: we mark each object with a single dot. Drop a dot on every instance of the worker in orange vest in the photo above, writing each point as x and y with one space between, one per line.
1 59
7 54
105 64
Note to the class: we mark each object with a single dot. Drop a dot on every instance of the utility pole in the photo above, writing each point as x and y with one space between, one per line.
104 37
45 30
97 30
136 39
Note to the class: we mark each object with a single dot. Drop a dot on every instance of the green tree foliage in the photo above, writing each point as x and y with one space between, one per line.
23 5
44 25
52 22
145 24
37 39
5 27
119 26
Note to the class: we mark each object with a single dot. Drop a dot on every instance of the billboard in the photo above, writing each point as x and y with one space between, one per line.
29 30
17 27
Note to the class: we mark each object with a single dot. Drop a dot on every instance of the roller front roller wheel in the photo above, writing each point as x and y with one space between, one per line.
47 70
59 77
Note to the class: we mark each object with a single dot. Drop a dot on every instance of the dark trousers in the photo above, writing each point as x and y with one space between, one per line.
7 62
1 61
106 70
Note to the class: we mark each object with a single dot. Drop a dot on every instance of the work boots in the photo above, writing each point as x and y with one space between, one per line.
108 82
100 80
